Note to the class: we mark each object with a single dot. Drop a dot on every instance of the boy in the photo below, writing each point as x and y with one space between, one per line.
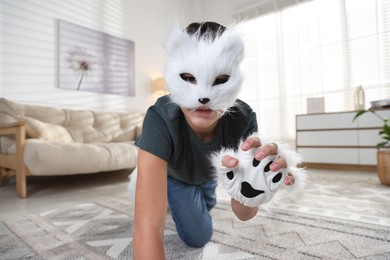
201 114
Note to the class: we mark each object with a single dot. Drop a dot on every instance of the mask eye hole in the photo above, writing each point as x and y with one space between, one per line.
221 79
188 77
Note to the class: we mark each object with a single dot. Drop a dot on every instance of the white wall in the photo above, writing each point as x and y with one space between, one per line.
148 25
28 46
224 11
28 43
228 11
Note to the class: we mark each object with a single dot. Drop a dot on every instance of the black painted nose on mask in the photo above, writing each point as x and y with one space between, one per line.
204 100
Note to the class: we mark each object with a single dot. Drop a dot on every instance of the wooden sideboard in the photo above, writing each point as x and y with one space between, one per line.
332 140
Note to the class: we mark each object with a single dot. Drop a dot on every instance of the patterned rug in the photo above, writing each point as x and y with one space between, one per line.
325 222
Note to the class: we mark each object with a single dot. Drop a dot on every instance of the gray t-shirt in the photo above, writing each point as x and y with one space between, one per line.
166 134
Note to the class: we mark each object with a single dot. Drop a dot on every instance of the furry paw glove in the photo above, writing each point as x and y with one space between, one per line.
252 183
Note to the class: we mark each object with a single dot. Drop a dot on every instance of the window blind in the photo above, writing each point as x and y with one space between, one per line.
319 48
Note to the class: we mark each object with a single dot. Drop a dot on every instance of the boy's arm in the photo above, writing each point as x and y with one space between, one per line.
242 212
150 207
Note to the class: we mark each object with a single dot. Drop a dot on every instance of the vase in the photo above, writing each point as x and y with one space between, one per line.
383 168
359 99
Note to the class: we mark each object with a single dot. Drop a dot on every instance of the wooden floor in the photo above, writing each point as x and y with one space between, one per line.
45 193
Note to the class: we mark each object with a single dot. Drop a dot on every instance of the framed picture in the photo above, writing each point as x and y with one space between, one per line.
89 60
315 105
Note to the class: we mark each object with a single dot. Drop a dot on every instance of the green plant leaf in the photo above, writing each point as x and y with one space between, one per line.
359 113
381 145
384 133
386 129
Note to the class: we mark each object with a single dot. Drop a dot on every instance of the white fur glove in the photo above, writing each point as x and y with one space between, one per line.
252 183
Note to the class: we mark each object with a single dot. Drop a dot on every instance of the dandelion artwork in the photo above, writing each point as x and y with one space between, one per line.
90 60
81 62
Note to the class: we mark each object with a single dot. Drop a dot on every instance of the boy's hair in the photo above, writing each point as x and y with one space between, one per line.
209 30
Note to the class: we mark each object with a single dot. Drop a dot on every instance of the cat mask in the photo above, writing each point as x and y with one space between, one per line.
203 67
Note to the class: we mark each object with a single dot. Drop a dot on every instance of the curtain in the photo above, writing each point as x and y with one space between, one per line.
319 48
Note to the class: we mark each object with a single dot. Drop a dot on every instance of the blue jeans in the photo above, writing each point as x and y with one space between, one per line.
190 206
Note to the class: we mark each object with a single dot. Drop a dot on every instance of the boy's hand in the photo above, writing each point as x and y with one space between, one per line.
268 149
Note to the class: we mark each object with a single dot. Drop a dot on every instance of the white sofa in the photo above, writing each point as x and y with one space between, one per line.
42 141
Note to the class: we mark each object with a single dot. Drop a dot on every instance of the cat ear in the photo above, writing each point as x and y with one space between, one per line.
176 38
233 44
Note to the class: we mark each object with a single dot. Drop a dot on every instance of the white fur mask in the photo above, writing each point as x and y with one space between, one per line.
205 59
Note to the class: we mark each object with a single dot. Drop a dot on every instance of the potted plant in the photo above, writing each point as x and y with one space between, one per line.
383 153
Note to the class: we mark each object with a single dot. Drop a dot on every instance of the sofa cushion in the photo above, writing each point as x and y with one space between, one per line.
68 125
46 131
130 126
43 158
129 134
47 114
103 126
10 112
80 124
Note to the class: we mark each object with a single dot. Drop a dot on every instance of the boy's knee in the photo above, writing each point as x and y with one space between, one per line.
211 204
198 240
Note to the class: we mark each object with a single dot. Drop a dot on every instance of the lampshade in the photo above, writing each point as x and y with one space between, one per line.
159 85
